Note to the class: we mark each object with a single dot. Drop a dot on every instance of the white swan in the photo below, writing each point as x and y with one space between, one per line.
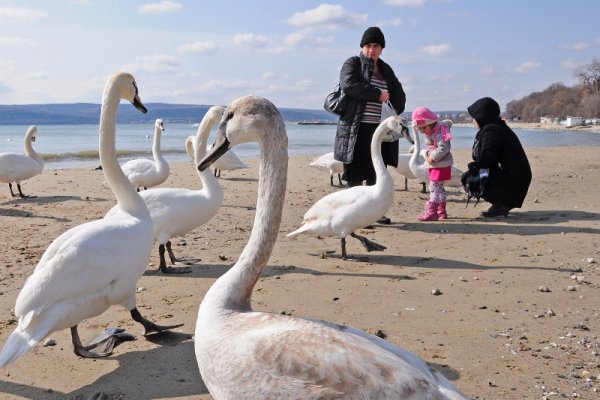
147 173
403 167
244 354
176 211
330 164
92 266
19 167
420 167
341 213
227 162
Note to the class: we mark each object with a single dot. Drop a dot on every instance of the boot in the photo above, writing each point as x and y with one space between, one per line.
441 211
430 213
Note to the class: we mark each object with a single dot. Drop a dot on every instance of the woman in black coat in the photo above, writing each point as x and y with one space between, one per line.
500 166
368 82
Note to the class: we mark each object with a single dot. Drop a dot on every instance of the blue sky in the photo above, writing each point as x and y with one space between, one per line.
446 53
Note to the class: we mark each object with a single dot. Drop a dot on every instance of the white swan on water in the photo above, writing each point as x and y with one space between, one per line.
420 167
330 164
147 173
341 213
176 211
243 354
19 167
92 266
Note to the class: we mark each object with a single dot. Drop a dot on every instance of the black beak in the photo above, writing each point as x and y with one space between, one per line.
138 104
215 153
406 134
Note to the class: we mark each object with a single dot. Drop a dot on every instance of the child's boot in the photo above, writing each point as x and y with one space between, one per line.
430 213
441 211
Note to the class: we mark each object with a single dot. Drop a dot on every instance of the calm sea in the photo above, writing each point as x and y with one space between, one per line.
71 146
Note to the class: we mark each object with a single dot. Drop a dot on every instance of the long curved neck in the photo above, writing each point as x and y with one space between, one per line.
158 158
129 200
378 164
417 149
29 151
232 292
209 182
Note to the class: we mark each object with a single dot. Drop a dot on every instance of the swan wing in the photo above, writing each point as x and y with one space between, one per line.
16 167
288 357
140 166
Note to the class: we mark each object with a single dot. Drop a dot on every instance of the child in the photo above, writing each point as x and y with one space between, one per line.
437 139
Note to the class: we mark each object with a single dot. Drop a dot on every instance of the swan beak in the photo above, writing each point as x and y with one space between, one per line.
406 134
216 152
138 104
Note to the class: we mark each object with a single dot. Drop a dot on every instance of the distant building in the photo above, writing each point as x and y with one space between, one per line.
546 120
574 121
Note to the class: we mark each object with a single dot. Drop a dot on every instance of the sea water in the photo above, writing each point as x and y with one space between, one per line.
72 146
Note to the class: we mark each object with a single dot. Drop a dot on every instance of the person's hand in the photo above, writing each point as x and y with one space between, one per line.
384 96
430 160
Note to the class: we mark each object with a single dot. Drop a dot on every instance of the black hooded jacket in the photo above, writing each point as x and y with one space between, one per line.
498 149
355 78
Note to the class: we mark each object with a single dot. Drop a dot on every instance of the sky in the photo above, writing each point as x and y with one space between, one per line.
446 53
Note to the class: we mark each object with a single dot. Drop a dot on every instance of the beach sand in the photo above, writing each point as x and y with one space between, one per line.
491 330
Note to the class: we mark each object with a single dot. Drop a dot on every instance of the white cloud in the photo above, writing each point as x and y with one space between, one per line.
436 49
7 66
17 41
305 38
330 16
160 8
39 75
153 63
81 2
197 47
569 64
527 66
576 46
389 22
12 14
249 39
405 3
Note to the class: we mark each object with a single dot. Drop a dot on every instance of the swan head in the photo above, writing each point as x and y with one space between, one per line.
189 146
159 124
244 120
32 133
397 127
124 84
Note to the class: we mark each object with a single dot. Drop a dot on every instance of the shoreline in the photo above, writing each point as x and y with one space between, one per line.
491 331
540 126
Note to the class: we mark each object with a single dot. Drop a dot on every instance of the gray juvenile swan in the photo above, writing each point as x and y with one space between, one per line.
19 167
243 354
94 265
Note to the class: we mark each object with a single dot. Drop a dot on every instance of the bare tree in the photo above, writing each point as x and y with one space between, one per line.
589 76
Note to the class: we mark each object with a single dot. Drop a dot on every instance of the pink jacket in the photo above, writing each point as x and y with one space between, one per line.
438 146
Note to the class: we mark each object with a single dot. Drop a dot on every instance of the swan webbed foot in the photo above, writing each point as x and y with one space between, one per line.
175 270
84 351
108 339
171 270
149 326
369 245
21 194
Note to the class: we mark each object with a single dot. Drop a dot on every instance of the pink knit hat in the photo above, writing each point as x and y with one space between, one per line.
423 116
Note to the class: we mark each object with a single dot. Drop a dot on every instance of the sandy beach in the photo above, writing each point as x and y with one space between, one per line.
492 331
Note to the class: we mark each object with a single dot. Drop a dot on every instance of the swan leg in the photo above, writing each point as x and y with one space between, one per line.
11 191
405 184
83 351
331 179
369 245
163 262
150 327
344 254
423 187
340 180
23 196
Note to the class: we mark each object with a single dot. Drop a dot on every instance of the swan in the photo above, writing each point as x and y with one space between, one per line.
403 167
19 167
94 265
147 173
243 354
332 165
420 167
176 211
227 162
341 213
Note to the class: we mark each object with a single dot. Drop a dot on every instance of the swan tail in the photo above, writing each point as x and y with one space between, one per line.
17 344
303 228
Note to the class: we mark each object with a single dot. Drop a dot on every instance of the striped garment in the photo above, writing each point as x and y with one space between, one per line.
372 113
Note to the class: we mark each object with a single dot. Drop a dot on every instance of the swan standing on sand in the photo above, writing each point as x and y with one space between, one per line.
244 354
227 162
341 213
19 167
92 266
147 173
420 167
176 211
330 164
403 167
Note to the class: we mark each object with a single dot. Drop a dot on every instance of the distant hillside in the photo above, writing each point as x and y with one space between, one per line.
88 113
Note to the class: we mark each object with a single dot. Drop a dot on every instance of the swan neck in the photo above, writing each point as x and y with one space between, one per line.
378 164
127 197
156 145
233 291
28 149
